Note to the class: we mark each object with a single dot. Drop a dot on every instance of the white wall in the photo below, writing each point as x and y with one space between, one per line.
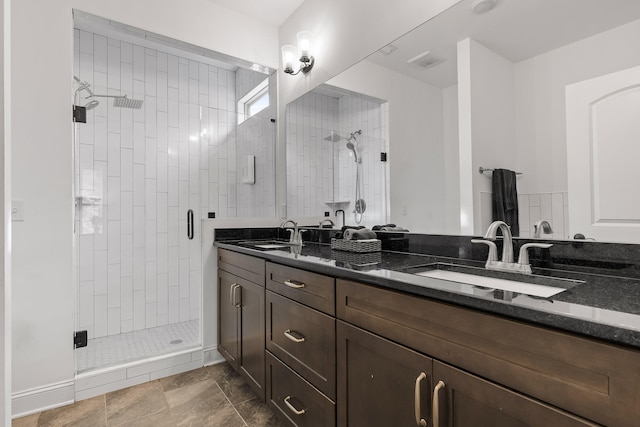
489 80
540 106
5 216
451 161
41 164
416 149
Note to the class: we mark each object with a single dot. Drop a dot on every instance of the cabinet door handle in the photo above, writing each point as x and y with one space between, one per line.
190 224
421 422
237 296
288 334
436 403
292 408
293 284
232 294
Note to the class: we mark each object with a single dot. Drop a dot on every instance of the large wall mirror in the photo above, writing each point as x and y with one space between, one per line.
548 89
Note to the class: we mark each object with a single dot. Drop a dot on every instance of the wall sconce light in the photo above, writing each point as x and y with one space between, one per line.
290 53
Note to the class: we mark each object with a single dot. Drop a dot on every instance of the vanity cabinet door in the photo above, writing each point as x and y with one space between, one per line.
228 320
462 400
380 383
252 336
241 327
241 320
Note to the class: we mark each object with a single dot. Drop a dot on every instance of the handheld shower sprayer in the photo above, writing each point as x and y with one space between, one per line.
352 148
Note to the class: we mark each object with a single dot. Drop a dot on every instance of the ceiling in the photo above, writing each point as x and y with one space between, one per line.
515 29
273 12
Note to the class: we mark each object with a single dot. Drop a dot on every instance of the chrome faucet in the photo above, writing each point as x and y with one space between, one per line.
507 239
295 236
506 263
541 227
327 220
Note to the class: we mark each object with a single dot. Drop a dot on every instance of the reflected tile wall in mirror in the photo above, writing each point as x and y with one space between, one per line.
321 174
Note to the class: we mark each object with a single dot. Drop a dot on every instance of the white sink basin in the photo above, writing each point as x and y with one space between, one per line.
272 246
491 282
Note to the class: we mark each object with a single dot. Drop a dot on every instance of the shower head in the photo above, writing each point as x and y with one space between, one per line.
124 102
334 137
92 104
120 101
353 149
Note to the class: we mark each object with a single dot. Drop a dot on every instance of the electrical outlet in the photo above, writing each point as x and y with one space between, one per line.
17 210
405 212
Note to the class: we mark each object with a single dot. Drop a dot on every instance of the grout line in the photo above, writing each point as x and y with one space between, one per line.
232 405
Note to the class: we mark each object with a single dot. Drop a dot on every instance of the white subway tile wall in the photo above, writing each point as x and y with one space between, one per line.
553 207
321 175
139 171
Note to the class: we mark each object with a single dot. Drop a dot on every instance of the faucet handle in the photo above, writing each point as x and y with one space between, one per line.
523 257
493 249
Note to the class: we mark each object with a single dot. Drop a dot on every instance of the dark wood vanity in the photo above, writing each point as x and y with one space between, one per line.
327 351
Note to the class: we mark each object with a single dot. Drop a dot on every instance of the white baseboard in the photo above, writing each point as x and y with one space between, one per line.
212 356
101 381
42 398
97 382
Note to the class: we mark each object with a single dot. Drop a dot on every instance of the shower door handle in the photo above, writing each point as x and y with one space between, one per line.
190 224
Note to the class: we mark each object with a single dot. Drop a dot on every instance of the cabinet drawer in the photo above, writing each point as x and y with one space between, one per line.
244 266
304 339
589 378
309 407
314 290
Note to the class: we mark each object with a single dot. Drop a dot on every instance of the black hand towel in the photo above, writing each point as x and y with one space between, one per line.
505 198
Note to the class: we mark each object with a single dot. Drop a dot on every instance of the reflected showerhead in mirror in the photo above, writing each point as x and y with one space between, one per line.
352 147
92 104
334 137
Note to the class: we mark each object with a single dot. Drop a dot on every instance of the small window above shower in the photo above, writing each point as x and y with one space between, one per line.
256 100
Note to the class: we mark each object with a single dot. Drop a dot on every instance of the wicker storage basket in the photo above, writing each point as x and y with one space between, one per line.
360 246
355 259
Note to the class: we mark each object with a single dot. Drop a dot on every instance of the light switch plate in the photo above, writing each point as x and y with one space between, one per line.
17 210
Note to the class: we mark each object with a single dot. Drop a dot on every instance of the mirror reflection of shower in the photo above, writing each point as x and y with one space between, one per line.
353 145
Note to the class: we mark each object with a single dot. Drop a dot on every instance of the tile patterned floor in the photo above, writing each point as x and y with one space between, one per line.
131 346
210 396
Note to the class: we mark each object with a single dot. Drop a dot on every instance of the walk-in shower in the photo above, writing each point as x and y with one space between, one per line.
360 205
150 165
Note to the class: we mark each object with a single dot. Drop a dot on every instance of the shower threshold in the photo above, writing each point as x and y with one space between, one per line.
128 347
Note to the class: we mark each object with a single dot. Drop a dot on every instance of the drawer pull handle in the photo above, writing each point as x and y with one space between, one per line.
421 422
294 285
288 334
436 403
291 407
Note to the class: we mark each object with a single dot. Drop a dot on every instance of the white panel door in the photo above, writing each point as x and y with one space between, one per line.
603 143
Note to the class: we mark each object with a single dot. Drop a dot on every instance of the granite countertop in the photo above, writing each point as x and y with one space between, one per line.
600 306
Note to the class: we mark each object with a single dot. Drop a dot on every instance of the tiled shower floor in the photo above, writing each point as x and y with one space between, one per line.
136 345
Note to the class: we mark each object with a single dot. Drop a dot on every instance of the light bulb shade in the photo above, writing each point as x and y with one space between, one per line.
289 54
305 39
